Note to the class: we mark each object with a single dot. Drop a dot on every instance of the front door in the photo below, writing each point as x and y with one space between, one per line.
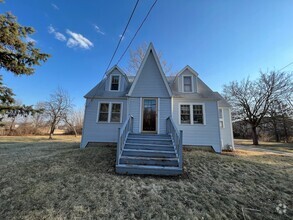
149 115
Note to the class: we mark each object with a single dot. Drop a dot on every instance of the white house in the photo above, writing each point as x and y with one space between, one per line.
150 116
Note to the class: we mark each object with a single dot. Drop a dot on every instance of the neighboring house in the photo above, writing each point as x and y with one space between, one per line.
154 112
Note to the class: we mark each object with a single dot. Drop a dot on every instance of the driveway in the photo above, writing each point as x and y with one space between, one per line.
258 149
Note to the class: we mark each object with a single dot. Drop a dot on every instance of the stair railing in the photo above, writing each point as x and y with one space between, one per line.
123 132
177 137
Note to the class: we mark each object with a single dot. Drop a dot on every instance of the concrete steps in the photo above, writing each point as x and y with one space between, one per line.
148 154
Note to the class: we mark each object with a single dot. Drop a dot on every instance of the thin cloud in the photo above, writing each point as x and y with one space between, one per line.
29 39
51 29
55 6
77 40
59 36
98 30
120 36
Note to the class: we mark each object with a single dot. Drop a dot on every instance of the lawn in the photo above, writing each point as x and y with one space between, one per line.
43 179
279 146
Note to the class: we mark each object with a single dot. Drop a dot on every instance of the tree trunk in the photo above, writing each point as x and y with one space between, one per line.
254 136
52 129
277 135
285 129
11 126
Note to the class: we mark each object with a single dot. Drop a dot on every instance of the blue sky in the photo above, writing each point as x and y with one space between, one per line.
223 40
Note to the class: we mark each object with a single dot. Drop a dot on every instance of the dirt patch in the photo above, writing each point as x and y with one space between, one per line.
57 180
278 146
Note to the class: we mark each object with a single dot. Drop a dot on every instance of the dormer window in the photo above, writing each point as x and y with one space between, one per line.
114 83
187 83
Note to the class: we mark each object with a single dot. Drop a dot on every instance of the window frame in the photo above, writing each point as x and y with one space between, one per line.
110 83
221 119
192 83
191 104
109 112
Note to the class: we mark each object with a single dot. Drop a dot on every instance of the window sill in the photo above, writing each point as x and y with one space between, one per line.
193 124
105 122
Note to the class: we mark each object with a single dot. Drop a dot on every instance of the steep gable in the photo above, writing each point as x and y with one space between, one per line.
150 80
102 88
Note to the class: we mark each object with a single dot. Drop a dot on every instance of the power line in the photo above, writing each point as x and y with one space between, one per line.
137 31
286 66
121 37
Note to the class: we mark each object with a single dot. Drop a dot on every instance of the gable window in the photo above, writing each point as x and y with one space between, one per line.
191 114
110 112
221 118
115 83
187 83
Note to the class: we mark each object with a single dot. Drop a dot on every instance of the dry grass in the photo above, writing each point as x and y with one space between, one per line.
285 147
56 180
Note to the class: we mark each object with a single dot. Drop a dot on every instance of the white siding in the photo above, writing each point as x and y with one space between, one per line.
100 132
198 134
226 132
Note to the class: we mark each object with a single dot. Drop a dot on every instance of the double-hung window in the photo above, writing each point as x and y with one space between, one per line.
116 112
104 112
115 83
110 112
221 118
191 114
185 114
197 114
187 83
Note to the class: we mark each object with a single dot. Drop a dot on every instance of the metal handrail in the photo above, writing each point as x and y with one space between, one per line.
177 137
123 132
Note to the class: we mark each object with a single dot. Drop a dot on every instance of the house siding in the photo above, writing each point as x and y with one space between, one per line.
100 132
202 135
150 82
164 113
134 110
226 132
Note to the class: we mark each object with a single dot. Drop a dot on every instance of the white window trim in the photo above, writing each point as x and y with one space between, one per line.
119 83
192 83
222 119
109 112
191 113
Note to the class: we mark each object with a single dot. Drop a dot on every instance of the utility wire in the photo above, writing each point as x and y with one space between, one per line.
121 37
286 66
137 31
116 47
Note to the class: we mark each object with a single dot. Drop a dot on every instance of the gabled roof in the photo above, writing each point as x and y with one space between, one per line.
187 67
222 102
149 50
99 89
119 69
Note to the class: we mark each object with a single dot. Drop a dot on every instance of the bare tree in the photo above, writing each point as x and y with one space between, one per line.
136 57
75 121
57 109
38 119
252 99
